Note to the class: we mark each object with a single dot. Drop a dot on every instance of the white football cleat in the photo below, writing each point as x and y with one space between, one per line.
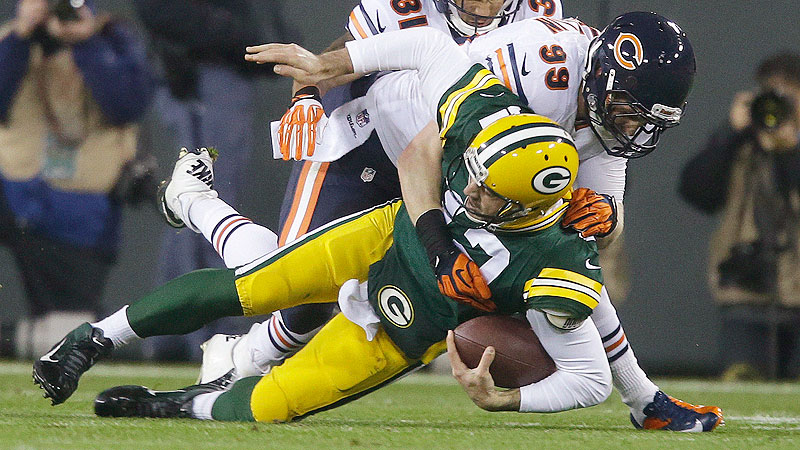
223 352
192 178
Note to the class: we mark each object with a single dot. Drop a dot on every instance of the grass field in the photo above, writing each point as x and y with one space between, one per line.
420 411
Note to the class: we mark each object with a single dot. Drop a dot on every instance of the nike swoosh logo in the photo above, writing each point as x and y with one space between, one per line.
698 427
460 277
47 356
378 19
484 94
591 266
524 60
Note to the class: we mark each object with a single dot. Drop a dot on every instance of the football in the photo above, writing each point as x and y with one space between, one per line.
519 359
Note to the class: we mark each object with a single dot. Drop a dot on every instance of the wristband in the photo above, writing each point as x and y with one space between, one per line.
434 235
307 92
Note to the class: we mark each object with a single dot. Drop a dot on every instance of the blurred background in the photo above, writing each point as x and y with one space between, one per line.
669 314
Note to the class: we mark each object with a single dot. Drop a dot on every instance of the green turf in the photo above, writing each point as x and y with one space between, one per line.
421 411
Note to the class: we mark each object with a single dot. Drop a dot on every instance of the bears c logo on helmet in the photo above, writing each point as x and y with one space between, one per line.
551 180
632 55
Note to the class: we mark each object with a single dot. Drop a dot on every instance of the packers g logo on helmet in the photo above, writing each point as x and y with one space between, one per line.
551 180
527 160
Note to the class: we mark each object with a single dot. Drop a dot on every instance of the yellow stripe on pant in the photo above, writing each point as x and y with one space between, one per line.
336 366
312 269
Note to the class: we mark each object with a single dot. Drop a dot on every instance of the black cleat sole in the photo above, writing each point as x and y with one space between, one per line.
49 391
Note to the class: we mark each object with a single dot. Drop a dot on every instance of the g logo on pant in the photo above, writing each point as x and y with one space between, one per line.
395 306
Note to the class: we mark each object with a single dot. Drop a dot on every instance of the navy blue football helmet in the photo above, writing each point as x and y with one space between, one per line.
640 67
451 9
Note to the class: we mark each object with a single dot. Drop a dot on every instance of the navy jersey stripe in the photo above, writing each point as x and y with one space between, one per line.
371 25
517 76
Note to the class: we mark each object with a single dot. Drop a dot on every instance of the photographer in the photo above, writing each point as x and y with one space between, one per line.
750 170
72 85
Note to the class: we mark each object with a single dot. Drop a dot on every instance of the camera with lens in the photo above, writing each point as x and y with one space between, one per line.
66 10
770 109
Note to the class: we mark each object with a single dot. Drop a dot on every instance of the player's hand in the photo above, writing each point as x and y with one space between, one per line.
460 278
478 382
292 60
302 125
590 213
457 276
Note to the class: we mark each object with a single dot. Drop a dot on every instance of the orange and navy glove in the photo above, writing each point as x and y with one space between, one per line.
458 276
590 213
302 124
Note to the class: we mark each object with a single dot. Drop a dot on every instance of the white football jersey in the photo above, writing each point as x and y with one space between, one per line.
371 17
542 60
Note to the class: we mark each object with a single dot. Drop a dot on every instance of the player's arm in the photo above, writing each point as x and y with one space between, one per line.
326 85
301 126
437 58
419 168
582 377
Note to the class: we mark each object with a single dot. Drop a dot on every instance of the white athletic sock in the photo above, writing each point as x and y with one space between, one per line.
271 342
234 237
203 404
630 380
117 328
632 383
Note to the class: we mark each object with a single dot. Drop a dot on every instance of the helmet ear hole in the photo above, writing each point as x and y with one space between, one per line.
546 157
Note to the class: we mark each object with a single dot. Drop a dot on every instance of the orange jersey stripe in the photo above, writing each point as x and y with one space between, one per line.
357 25
298 193
502 61
295 214
314 196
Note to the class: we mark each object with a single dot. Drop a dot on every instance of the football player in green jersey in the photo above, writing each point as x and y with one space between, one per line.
509 189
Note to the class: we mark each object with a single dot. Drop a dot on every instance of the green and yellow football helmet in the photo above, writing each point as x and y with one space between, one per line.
528 161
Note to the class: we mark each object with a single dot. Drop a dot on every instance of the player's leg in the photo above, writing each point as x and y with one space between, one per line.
339 365
650 407
188 198
318 193
311 269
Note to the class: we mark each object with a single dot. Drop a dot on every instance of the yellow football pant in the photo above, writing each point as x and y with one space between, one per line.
335 367
312 269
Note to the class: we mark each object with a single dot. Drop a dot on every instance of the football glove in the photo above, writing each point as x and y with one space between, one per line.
302 125
590 213
457 276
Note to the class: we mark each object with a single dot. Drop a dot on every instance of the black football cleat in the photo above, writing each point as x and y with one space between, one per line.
670 414
139 401
58 371
169 216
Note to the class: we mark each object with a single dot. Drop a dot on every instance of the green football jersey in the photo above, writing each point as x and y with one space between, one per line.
544 268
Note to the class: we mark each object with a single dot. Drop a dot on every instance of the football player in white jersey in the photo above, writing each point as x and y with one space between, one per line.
624 81
463 19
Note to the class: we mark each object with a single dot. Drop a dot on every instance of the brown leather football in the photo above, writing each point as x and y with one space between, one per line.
519 359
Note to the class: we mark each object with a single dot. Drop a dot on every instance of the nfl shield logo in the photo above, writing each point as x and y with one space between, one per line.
362 118
368 174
